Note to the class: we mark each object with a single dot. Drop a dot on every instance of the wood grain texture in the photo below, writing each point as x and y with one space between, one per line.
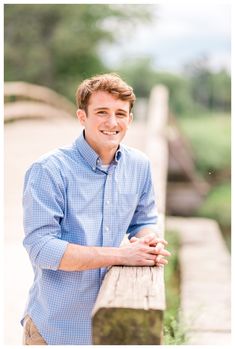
132 288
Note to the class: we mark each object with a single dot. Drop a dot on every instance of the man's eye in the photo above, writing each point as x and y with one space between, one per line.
120 115
102 112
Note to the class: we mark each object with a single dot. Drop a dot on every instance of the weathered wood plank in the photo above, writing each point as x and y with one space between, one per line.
129 308
132 287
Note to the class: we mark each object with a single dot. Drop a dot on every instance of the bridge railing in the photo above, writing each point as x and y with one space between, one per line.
24 100
131 302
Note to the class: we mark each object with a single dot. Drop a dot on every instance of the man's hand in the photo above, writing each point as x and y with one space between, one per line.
159 244
145 251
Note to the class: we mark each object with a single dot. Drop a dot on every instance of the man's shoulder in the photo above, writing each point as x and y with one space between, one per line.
134 154
53 159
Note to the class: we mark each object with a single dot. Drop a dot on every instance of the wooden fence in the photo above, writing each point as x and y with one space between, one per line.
130 305
24 100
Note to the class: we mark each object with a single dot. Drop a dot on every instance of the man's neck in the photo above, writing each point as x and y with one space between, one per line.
107 158
106 155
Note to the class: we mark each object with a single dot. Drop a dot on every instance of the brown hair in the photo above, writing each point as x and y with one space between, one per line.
111 83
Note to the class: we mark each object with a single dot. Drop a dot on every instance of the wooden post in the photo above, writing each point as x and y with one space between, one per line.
130 305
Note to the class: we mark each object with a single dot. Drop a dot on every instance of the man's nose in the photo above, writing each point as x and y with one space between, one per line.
112 120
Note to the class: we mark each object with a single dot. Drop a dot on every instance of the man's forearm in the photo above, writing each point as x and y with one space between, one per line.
138 253
77 257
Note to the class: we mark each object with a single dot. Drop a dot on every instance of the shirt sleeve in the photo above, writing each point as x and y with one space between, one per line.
146 211
43 210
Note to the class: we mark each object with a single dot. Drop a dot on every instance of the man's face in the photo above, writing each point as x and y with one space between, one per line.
106 121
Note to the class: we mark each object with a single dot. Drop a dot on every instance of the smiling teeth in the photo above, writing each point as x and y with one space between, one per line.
110 133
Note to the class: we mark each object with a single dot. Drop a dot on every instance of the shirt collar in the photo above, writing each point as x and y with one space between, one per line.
88 153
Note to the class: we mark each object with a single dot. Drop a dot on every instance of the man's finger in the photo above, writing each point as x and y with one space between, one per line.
160 258
161 261
149 262
154 251
163 252
134 239
157 241
163 241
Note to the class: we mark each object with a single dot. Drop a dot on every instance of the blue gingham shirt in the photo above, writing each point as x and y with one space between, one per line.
68 198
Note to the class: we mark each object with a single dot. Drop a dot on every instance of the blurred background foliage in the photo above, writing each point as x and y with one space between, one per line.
58 45
210 136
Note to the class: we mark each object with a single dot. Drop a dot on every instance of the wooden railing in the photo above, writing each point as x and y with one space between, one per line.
130 305
25 100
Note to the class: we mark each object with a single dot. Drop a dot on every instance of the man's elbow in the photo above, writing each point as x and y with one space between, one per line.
45 254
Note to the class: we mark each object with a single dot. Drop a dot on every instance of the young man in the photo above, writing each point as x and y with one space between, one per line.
79 202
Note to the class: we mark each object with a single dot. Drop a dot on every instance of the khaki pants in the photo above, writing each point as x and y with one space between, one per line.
31 335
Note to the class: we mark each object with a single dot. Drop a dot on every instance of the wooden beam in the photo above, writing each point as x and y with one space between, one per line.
25 91
129 308
26 110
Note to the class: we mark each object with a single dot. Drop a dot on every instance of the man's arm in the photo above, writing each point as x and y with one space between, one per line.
138 253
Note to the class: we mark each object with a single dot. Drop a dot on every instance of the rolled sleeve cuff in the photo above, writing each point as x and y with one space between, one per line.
51 254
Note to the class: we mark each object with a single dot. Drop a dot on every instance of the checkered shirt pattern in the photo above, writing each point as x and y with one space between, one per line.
68 198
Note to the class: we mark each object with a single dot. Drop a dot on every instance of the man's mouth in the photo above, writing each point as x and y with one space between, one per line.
109 133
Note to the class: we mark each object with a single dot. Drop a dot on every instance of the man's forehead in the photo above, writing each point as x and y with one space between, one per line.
102 99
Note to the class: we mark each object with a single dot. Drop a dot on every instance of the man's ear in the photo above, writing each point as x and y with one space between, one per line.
130 118
81 115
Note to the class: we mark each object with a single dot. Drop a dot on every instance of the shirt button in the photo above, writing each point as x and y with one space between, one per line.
107 228
107 202
93 168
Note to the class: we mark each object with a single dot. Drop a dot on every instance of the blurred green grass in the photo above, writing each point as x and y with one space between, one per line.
217 206
210 136
174 331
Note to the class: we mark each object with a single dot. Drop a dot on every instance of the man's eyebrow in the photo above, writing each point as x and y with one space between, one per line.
101 108
125 111
105 108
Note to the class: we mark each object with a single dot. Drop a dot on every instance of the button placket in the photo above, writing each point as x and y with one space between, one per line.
107 212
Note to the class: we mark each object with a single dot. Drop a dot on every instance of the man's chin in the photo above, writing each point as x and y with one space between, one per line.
111 144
